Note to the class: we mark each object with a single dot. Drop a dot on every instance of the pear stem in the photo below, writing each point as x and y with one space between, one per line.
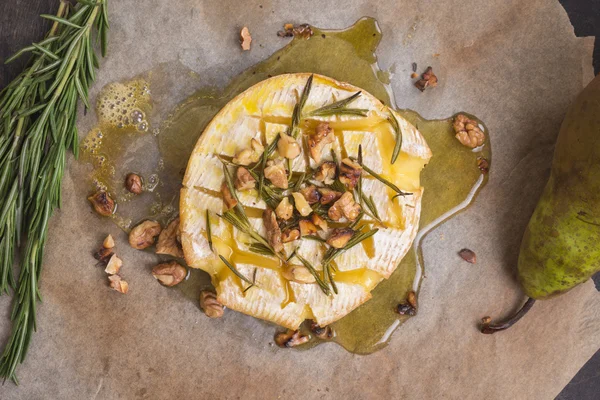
490 328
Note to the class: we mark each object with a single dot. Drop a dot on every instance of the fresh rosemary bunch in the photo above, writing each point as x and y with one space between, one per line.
38 112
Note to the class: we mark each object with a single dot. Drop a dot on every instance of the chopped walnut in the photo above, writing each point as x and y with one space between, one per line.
349 173
483 164
169 274
249 156
428 79
468 255
319 222
410 307
340 237
411 298
290 338
298 273
245 38
109 242
228 198
167 240
326 173
322 332
289 30
301 204
244 180
133 183
328 195
287 146
103 203
273 230
103 255
276 173
209 303
468 131
143 235
323 136
289 235
114 265
307 227
344 207
311 194
118 284
285 209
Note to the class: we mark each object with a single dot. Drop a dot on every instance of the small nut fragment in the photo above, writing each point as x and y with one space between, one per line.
298 273
468 255
307 227
244 180
228 198
273 230
133 183
428 79
285 209
410 307
414 75
287 146
276 173
319 222
169 274
290 338
483 164
345 206
114 265
301 204
323 136
103 255
326 173
143 235
411 298
209 303
349 173
103 203
328 195
249 156
322 332
486 320
289 235
311 194
118 284
109 242
468 131
167 240
340 237
245 38
303 31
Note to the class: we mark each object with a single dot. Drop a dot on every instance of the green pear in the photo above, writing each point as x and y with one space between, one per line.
561 246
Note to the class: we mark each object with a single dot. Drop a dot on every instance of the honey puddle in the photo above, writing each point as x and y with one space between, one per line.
137 133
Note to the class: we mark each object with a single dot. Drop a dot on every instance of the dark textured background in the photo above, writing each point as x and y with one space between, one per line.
20 25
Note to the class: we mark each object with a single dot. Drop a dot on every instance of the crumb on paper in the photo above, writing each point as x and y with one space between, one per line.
245 38
428 79
483 164
303 31
114 265
468 255
117 283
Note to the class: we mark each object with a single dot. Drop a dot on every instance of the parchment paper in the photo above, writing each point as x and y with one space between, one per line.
515 64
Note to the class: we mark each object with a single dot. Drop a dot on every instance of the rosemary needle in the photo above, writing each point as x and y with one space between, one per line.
209 231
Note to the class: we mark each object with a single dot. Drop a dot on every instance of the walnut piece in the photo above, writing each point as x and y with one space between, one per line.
244 180
276 173
346 207
114 265
169 274
118 284
349 173
303 30
340 237
319 222
298 273
301 204
328 195
103 255
468 255
249 156
311 194
143 235
103 203
285 209
168 242
245 38
323 136
326 173
228 198
322 332
290 338
289 235
428 79
210 305
273 230
133 183
468 131
109 242
307 227
287 146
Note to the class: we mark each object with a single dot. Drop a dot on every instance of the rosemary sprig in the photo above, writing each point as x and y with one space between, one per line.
245 227
253 281
339 108
368 201
234 270
297 113
263 163
385 182
394 122
315 238
324 287
38 112
358 237
209 231
260 248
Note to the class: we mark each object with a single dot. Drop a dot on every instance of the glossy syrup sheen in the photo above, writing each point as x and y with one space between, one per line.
451 179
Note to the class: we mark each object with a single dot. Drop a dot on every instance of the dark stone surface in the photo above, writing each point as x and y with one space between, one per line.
20 25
